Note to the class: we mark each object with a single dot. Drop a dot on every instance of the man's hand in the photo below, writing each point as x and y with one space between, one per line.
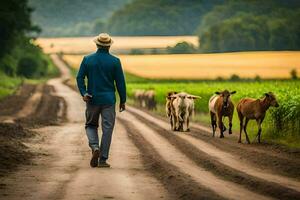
87 97
122 107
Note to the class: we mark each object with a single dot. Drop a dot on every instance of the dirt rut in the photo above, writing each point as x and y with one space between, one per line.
28 108
225 158
201 176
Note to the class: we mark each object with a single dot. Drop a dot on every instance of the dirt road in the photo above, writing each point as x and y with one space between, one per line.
148 162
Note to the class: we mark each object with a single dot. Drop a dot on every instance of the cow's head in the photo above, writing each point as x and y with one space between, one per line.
271 98
182 96
226 96
170 94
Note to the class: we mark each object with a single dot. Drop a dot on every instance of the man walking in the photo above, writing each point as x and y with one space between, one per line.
104 73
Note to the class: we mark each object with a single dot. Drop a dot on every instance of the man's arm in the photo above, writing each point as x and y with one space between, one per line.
120 82
82 73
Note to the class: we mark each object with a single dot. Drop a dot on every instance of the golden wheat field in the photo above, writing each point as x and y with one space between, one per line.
79 45
207 66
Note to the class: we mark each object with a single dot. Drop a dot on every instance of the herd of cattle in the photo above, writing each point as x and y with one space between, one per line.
145 99
180 108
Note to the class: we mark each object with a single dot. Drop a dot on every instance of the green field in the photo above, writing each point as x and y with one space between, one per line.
281 125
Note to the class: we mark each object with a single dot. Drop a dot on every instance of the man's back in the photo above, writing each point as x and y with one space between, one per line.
102 70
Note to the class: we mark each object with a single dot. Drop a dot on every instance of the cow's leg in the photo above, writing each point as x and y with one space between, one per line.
176 119
213 122
241 118
188 124
245 130
171 121
177 125
185 122
223 125
230 123
259 122
220 123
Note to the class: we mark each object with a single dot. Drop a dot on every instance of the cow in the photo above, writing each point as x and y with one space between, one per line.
183 104
170 111
254 109
139 98
220 105
150 102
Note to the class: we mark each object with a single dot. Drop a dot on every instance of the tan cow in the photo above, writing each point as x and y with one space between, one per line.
254 109
183 104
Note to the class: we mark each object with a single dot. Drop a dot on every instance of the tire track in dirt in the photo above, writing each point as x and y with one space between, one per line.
50 110
128 177
223 157
177 183
204 178
281 160
18 100
211 163
29 106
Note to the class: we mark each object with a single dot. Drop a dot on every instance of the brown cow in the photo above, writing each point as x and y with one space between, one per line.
220 105
139 97
254 109
150 100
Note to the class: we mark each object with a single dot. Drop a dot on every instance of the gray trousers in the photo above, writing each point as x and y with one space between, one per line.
108 116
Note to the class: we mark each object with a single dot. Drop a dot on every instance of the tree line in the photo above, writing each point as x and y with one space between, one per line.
18 54
59 18
222 25
255 25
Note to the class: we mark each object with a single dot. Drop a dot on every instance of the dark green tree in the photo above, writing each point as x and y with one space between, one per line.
239 25
182 47
14 23
294 75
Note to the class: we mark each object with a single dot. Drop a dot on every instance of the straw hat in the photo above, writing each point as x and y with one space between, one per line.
103 39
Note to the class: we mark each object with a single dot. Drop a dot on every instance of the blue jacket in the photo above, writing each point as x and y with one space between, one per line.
104 73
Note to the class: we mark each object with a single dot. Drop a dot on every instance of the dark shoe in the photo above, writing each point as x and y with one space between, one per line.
95 158
103 163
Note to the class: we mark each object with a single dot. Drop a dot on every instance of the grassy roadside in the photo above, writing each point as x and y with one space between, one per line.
10 84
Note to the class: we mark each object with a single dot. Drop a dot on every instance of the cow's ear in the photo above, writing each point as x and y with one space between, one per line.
233 92
267 94
217 93
173 96
194 97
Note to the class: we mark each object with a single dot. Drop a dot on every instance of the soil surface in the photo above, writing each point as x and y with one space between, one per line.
148 161
31 106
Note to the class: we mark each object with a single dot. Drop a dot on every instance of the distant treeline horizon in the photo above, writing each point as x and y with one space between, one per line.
221 25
